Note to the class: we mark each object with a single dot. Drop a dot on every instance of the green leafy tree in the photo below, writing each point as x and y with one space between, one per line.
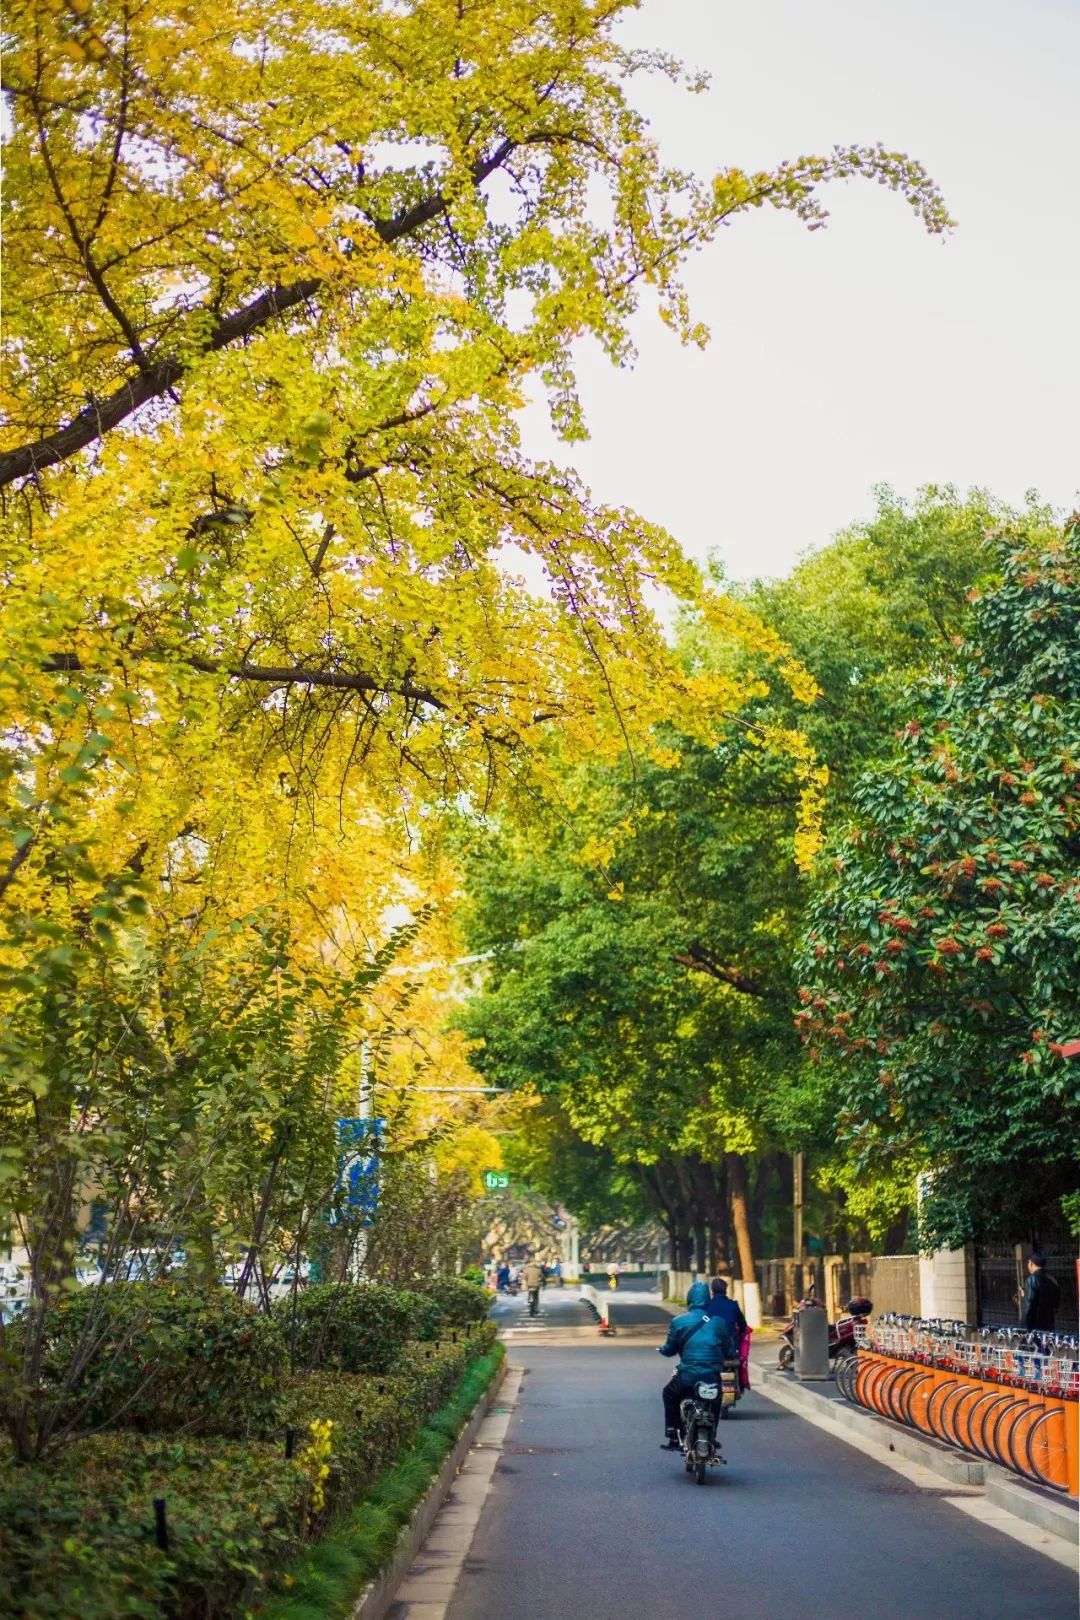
696 955
626 984
546 1153
942 962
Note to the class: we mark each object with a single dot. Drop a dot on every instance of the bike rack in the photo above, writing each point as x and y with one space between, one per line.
1007 1395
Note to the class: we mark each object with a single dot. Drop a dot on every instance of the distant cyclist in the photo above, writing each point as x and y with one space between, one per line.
533 1278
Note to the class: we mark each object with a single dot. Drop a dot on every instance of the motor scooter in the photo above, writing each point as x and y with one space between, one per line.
841 1332
697 1438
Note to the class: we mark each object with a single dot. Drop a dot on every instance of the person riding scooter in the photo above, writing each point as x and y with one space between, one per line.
703 1343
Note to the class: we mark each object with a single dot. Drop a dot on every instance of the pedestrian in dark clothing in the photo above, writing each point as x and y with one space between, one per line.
1040 1297
728 1310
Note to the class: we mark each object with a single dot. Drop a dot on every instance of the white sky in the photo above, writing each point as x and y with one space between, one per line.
868 351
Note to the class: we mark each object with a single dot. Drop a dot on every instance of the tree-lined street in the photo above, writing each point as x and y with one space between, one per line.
587 1517
427 868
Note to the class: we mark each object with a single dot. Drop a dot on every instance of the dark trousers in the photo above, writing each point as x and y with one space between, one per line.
675 1392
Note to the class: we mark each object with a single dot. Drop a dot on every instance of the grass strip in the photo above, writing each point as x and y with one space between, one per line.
325 1583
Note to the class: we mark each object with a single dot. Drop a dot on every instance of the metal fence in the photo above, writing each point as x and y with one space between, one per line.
1001 1272
890 1280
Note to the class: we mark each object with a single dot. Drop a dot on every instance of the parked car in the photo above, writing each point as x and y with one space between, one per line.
134 1265
289 1276
89 1272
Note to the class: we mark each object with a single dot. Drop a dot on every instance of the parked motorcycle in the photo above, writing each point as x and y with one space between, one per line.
699 1446
841 1332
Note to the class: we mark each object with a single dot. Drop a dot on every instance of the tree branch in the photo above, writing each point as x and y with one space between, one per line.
338 680
699 961
7 876
157 375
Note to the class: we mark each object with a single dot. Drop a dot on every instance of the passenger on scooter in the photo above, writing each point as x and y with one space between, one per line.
728 1309
703 1343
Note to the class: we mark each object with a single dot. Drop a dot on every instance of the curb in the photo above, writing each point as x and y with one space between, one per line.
927 1453
1055 1517
377 1598
1052 1514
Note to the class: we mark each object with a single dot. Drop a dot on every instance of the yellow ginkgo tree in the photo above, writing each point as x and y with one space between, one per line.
277 280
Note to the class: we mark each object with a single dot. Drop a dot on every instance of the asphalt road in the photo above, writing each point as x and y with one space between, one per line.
587 1517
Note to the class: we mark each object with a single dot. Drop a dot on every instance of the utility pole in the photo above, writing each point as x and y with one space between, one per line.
798 1168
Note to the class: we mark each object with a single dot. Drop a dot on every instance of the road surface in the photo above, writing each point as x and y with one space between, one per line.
587 1517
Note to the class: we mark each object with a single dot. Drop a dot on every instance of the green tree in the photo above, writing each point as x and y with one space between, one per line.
625 983
700 844
942 962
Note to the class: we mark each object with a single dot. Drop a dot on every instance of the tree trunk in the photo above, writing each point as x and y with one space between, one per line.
763 1181
736 1173
724 1217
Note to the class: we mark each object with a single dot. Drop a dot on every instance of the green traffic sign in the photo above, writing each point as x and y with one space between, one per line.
494 1179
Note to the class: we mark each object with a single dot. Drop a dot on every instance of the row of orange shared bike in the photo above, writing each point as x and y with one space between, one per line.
1008 1396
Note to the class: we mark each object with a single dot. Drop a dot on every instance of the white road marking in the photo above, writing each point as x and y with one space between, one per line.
998 1518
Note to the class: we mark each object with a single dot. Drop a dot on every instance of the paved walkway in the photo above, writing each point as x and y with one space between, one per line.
569 1508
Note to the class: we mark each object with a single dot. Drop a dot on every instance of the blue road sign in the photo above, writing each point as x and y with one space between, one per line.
358 1168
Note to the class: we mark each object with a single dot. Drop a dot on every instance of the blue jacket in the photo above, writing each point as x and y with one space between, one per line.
729 1311
702 1343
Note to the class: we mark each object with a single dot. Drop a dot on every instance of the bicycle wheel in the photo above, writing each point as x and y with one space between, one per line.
947 1412
846 1372
1046 1449
998 1430
898 1393
869 1377
934 1405
862 1373
881 1390
962 1416
1019 1433
981 1417
917 1402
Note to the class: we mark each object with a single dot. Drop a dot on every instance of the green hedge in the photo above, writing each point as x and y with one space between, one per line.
326 1580
373 1415
165 1356
461 1302
351 1327
361 1327
77 1531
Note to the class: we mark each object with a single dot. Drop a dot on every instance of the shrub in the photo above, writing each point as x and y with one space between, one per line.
461 1302
78 1531
163 1356
373 1416
327 1578
426 1318
353 1327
